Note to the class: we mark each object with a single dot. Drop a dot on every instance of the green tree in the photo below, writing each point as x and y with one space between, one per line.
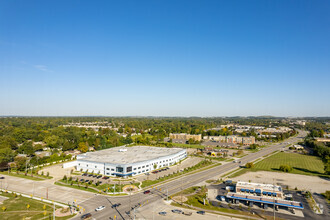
249 165
82 147
286 168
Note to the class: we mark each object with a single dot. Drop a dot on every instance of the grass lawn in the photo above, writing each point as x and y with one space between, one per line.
28 176
16 208
92 188
301 164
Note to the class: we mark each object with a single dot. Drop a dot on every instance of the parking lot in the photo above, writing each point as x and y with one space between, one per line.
189 162
152 212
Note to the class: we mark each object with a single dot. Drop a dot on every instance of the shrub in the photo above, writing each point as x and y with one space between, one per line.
249 165
286 168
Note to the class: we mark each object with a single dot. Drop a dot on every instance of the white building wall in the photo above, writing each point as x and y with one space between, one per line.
138 168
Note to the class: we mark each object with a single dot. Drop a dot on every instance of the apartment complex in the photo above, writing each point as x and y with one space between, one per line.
233 139
184 136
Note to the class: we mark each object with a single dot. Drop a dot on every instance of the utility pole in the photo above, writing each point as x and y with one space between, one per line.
54 211
273 198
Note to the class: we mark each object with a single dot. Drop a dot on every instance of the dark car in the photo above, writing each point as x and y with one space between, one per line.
162 213
115 205
187 213
90 175
84 174
201 212
146 192
82 180
99 176
86 181
2 177
177 211
86 216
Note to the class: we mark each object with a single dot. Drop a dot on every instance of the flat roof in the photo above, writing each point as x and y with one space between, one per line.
269 187
128 155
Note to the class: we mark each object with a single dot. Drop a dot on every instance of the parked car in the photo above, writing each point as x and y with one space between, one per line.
177 211
223 198
201 212
99 176
86 216
82 180
162 213
84 174
146 192
100 208
86 181
2 177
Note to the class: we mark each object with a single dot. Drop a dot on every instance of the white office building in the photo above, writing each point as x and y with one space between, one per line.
129 161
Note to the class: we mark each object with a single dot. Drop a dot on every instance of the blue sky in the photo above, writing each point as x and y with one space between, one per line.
165 58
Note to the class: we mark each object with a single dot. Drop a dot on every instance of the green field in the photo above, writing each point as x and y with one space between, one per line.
301 164
16 208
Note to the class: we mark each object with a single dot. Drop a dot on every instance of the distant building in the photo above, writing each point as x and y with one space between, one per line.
233 139
322 139
43 153
184 136
298 147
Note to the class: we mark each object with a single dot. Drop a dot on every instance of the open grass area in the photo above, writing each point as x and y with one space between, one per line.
301 164
28 176
16 208
92 188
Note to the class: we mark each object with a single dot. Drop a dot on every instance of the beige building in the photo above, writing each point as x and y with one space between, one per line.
184 136
231 139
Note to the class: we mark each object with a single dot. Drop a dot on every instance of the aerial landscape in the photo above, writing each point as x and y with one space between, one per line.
202 110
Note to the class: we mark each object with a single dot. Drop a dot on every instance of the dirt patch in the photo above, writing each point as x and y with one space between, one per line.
62 212
179 199
302 182
130 188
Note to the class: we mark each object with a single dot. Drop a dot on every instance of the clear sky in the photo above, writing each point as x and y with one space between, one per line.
165 58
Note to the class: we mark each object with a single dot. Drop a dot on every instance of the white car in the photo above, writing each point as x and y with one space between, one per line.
100 208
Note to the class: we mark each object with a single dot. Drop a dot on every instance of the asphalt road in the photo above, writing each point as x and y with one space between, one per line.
121 212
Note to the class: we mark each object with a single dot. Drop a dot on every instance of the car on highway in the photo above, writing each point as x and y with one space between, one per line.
162 213
187 213
115 205
146 192
177 211
86 216
100 208
201 212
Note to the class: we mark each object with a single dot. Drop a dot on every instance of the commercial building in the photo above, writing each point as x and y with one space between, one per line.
184 136
129 161
262 194
234 139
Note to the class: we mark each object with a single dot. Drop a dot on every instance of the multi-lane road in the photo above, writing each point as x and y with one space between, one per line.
174 186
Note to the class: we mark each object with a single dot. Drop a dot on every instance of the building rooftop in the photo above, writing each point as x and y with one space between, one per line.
128 155
269 187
